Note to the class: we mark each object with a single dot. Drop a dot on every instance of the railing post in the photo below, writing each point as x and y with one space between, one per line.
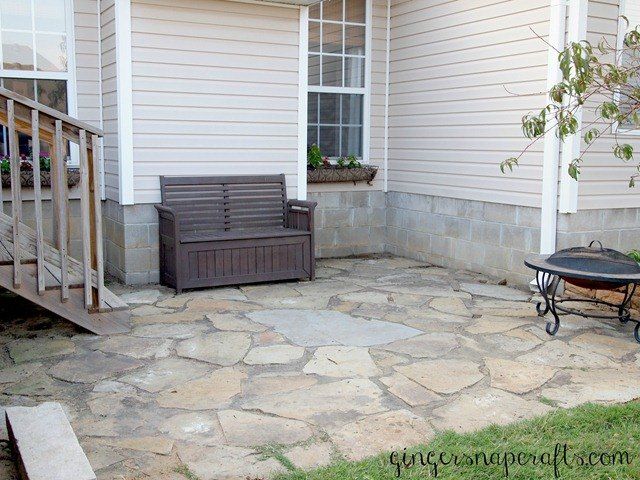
96 220
37 200
85 221
58 166
16 204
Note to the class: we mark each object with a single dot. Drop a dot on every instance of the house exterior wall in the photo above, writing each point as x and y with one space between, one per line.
463 73
109 98
604 178
87 45
215 91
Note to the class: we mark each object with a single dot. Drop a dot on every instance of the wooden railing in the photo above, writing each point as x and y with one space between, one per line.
43 124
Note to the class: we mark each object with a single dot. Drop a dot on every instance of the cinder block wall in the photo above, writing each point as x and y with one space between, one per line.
349 223
131 242
617 228
478 236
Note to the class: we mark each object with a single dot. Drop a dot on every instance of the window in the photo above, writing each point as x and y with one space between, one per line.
336 77
34 58
627 58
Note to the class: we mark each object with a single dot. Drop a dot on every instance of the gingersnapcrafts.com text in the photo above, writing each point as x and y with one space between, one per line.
434 463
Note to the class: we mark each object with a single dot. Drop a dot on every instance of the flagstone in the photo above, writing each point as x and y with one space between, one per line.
606 344
618 385
18 372
137 297
223 462
274 354
558 354
247 429
517 377
206 393
318 302
159 445
503 308
443 376
92 367
269 383
100 456
234 322
325 327
384 298
221 348
382 432
149 310
487 324
39 348
342 362
178 331
454 306
478 409
323 404
165 373
512 342
211 305
201 428
500 292
35 385
409 391
308 457
136 347
429 345
261 292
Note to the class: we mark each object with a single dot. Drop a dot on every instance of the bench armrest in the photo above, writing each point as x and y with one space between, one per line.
303 204
165 214
300 214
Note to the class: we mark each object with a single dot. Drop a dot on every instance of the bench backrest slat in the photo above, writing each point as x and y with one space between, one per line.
230 202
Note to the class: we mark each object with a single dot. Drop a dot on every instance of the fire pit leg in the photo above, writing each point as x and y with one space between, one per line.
624 315
543 281
636 332
552 328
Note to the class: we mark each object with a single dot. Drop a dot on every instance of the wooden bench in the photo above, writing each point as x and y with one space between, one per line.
231 230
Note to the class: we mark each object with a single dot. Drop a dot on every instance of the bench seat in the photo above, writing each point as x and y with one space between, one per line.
231 230
216 235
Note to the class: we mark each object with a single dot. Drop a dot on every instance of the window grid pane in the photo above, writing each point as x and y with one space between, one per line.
334 123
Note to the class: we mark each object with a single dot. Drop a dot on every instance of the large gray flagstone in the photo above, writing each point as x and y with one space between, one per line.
92 367
165 373
311 328
429 345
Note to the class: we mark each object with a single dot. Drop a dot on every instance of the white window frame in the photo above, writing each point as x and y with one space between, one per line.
69 76
364 91
616 128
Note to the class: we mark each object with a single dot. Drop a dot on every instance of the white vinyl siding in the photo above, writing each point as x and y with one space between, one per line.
87 44
215 91
451 118
109 98
604 178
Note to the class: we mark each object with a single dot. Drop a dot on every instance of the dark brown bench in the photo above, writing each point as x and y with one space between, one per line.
231 230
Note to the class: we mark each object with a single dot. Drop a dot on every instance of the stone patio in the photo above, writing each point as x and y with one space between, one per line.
376 354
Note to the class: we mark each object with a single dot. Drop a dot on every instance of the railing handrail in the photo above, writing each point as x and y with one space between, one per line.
49 112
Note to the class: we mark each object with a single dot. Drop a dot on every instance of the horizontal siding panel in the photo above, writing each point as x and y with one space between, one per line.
463 73
215 90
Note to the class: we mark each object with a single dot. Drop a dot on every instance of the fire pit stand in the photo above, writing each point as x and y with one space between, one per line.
588 267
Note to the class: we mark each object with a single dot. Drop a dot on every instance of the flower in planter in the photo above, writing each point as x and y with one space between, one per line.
26 164
314 157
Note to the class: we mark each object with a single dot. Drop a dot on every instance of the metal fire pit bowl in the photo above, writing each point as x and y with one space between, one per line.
592 267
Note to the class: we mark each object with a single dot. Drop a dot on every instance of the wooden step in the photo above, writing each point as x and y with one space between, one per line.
101 323
46 447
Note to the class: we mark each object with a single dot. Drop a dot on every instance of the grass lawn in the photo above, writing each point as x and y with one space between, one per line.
586 429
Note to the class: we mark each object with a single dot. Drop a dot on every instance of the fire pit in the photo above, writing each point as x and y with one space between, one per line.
593 267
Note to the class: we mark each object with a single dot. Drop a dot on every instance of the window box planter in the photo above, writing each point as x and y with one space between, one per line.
26 178
365 173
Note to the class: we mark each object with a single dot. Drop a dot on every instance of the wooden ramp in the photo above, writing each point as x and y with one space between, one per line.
39 269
